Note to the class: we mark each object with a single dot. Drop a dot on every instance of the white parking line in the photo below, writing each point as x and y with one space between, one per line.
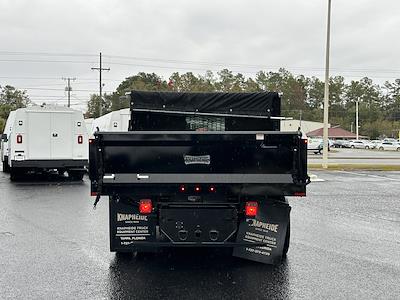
370 175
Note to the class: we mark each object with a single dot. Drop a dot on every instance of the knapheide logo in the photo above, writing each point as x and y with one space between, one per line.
130 217
259 224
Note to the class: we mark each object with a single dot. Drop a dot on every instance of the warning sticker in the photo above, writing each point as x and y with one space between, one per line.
268 228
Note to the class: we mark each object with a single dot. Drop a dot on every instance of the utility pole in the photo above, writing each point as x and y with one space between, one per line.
68 88
326 94
100 68
357 118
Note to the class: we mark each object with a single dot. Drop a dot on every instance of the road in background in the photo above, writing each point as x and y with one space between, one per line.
345 244
357 156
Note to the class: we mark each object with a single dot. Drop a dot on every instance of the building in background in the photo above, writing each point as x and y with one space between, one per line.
305 126
335 133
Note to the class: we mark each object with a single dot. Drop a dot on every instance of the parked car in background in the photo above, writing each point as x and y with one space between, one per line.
376 142
346 144
394 146
338 143
361 144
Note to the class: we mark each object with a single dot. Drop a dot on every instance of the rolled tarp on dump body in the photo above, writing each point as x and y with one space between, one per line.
266 104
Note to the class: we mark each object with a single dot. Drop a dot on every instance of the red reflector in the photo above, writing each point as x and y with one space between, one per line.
19 139
182 188
145 206
251 209
300 194
197 189
93 194
212 189
80 139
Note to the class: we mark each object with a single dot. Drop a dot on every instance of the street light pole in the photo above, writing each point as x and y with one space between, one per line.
326 94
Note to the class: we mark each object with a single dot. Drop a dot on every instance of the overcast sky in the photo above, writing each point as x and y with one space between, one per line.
168 36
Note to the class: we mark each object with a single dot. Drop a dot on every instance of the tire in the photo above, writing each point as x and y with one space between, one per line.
76 175
14 174
352 147
287 240
398 149
381 148
6 167
366 147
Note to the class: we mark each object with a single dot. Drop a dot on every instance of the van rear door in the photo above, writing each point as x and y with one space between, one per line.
38 135
61 135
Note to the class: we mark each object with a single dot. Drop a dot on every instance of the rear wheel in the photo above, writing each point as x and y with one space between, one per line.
6 167
381 148
352 147
76 175
15 174
367 147
398 149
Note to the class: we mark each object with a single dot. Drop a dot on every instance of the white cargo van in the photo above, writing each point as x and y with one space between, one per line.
47 138
4 141
114 121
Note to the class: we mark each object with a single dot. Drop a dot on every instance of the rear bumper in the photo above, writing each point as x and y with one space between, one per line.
147 245
50 163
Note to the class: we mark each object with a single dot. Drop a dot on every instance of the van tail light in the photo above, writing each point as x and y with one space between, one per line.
197 189
80 139
211 189
182 188
251 208
145 206
19 139
91 141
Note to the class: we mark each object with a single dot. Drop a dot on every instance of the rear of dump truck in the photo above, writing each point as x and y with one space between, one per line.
200 170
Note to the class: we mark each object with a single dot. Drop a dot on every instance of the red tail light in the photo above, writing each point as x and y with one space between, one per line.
182 188
251 209
299 194
80 139
211 189
145 206
197 189
305 141
19 139
91 141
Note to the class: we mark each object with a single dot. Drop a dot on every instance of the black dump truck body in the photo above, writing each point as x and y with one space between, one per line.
200 170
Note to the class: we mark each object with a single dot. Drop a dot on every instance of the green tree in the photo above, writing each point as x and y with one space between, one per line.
11 99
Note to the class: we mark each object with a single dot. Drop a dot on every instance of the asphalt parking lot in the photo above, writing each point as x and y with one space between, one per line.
345 245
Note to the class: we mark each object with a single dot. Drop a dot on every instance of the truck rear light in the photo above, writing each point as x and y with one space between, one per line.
182 188
145 206
91 141
300 194
251 208
197 189
305 141
80 139
211 189
19 139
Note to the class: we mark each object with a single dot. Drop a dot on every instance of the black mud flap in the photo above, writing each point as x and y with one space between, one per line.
128 228
269 227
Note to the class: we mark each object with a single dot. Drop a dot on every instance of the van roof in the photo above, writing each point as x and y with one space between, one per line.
47 108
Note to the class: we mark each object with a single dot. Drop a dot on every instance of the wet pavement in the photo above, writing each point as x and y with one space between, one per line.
345 245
